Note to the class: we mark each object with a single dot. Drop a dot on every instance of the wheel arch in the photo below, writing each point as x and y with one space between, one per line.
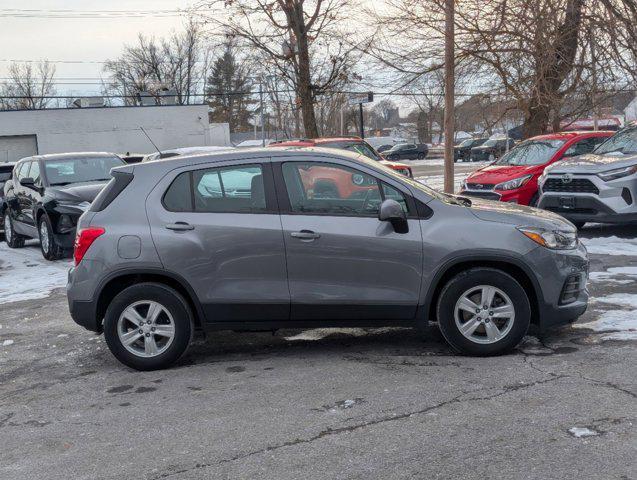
514 267
118 281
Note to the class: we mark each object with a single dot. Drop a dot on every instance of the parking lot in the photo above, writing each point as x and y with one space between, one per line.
340 403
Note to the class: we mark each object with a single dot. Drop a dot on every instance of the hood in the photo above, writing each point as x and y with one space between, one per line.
482 148
592 163
391 164
500 173
519 215
77 192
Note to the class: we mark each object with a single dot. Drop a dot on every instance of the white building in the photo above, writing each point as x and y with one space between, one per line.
116 129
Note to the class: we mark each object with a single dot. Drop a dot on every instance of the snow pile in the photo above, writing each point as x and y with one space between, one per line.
26 275
6 343
437 182
611 245
620 324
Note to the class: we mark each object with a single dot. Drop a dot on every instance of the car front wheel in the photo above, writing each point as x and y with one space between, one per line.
51 250
13 239
483 311
148 326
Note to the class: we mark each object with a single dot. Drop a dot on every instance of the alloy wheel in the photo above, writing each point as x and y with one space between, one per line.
8 232
146 328
45 242
484 314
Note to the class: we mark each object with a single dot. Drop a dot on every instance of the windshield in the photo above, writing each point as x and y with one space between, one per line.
531 152
490 143
624 142
359 147
76 170
467 143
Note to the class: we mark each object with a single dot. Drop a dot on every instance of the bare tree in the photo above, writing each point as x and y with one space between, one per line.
30 86
155 65
301 40
536 53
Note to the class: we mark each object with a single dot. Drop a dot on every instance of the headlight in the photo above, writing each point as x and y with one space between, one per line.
555 240
71 203
617 173
541 179
513 184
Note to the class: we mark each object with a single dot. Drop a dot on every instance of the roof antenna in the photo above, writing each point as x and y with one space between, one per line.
161 155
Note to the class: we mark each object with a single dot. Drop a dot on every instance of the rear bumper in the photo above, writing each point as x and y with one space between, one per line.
83 312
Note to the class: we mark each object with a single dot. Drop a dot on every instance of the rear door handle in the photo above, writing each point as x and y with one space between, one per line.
180 226
306 235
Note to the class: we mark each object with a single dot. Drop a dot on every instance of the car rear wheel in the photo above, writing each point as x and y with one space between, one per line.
13 239
49 246
421 156
148 326
483 311
579 225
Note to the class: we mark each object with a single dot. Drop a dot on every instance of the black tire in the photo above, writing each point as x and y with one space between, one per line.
170 300
534 199
464 282
579 225
12 239
50 249
421 156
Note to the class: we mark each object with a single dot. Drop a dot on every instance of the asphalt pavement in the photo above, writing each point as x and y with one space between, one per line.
325 404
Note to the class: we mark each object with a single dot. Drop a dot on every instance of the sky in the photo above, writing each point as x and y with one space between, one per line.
73 39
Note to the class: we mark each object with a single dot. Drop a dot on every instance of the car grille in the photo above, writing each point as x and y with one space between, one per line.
480 186
485 195
576 185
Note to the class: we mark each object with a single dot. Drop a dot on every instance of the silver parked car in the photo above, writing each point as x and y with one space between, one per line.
294 238
597 187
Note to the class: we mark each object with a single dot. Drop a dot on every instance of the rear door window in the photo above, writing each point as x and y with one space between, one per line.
238 189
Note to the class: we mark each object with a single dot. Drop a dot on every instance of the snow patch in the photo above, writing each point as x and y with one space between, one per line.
620 324
320 333
26 275
611 245
437 182
610 274
6 343
579 432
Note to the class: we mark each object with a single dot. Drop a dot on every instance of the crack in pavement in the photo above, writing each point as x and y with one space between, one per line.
351 428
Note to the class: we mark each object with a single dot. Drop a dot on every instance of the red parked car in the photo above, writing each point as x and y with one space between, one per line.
353 144
513 177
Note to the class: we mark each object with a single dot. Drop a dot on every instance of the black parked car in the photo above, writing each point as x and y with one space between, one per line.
406 151
5 174
46 195
462 151
491 150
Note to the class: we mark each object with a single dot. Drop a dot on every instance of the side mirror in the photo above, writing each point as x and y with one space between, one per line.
27 182
391 211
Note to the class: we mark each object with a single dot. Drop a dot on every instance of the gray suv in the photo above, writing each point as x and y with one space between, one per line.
597 187
295 238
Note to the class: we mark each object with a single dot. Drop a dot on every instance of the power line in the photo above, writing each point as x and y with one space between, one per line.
92 14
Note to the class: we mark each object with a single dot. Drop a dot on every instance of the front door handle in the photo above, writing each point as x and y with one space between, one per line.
306 235
180 226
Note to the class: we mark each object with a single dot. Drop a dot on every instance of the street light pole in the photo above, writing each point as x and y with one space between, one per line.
449 94
262 123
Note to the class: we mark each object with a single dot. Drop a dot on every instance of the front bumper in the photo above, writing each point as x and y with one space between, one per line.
562 275
615 202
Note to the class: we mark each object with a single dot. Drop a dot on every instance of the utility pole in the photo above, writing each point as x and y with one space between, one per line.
261 113
594 74
360 114
449 94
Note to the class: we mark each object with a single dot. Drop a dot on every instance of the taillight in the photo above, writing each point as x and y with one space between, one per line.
83 240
